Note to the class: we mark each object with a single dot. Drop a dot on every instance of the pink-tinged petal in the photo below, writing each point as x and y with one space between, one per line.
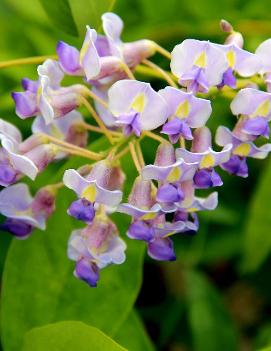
69 59
9 130
136 51
248 100
26 104
89 57
202 139
264 53
42 155
20 162
112 26
59 127
179 171
197 110
165 155
52 70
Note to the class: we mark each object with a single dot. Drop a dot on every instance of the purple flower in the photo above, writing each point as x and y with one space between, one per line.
205 175
95 247
24 212
263 52
239 147
69 128
198 64
241 61
136 106
186 111
99 187
47 97
141 203
101 57
254 107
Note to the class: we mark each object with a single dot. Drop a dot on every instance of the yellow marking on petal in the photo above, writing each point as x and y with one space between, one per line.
201 60
89 193
174 175
139 102
242 150
192 209
207 161
148 216
183 109
231 58
83 52
263 109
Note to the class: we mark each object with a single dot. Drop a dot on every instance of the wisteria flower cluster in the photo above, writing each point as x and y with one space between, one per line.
164 200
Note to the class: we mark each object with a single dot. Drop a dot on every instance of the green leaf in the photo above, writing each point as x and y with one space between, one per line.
68 336
257 240
39 287
266 349
89 12
132 334
211 327
60 14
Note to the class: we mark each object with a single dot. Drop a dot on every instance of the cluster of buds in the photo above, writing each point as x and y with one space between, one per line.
163 200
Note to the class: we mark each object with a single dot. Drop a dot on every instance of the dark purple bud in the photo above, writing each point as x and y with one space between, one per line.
83 210
169 193
257 126
17 227
161 249
237 166
87 271
7 174
207 178
140 231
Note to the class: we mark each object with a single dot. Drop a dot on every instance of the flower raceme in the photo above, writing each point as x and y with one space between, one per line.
163 200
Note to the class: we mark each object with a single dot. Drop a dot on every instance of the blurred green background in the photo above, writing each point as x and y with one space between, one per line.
217 295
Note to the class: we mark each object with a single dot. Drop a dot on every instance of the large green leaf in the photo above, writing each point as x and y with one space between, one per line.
60 14
89 12
257 241
39 287
211 327
132 334
68 336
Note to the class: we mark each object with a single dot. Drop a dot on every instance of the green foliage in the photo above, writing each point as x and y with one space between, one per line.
65 336
132 334
257 240
211 326
42 289
60 14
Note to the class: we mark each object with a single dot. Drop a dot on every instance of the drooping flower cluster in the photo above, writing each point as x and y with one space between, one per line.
164 199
